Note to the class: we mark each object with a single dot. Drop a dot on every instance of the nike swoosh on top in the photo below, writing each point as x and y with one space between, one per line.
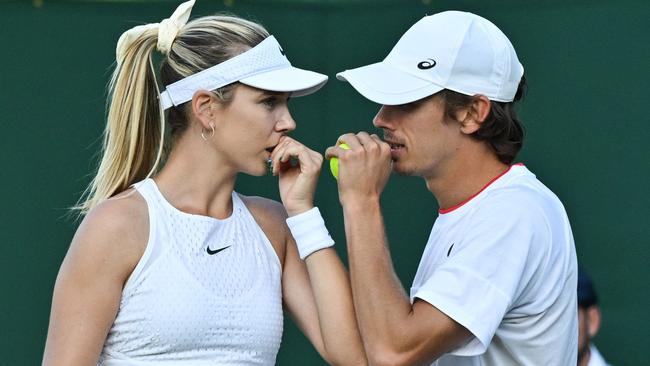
211 252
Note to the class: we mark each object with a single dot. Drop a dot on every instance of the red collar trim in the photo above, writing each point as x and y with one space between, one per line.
450 209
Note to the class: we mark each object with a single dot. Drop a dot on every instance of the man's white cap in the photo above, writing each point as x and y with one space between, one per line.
264 66
452 50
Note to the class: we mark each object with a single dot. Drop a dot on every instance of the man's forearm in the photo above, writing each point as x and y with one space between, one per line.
380 301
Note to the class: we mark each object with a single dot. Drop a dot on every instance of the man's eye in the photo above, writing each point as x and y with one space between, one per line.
408 106
270 102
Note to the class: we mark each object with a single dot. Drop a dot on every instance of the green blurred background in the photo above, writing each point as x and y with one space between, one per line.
585 114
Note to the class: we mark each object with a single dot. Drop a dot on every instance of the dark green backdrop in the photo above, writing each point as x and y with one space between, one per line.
586 118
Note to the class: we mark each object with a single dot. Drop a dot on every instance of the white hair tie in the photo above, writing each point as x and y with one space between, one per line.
169 27
167 31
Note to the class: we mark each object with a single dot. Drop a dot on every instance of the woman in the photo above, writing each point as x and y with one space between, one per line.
180 269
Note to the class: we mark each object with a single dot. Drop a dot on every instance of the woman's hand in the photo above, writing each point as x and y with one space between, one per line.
297 180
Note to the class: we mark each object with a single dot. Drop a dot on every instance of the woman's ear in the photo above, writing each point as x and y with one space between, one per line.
204 106
475 114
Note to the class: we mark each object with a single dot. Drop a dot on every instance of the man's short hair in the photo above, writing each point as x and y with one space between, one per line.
502 129
586 293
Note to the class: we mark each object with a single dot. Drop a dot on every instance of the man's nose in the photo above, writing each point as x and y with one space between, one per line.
382 118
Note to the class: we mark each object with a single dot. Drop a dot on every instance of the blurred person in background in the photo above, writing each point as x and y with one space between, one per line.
588 322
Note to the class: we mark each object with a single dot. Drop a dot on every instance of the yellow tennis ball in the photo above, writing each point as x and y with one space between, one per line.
334 162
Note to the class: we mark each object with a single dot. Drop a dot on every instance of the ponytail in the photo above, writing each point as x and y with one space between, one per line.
134 135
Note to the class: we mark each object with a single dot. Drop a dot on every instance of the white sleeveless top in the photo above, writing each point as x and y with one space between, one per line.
205 292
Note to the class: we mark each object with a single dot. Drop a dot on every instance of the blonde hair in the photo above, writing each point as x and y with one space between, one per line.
134 139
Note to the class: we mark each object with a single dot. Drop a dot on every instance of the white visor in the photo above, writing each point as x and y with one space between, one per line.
264 67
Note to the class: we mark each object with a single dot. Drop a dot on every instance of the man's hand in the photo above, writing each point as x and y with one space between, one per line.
363 169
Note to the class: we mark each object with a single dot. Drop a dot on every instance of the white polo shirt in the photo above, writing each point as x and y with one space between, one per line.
503 265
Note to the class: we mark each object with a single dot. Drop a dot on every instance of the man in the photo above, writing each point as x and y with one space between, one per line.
496 283
588 322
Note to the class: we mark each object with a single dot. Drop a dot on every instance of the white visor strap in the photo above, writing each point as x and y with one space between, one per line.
266 56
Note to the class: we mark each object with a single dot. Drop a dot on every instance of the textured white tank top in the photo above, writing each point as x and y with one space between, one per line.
205 292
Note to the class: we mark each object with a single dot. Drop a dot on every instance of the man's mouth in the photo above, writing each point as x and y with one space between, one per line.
394 146
393 142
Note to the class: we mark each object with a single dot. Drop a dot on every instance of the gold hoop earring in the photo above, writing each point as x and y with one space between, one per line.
211 134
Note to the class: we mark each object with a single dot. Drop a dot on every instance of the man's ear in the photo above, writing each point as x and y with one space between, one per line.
475 114
204 106
593 323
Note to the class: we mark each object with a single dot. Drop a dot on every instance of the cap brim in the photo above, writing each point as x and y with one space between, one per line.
388 85
293 80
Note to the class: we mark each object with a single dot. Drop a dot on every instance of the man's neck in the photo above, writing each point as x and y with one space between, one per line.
462 179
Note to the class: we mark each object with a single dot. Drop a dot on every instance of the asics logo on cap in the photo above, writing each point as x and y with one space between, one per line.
426 65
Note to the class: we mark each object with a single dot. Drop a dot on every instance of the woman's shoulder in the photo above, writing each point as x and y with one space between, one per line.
115 231
266 208
121 214
271 216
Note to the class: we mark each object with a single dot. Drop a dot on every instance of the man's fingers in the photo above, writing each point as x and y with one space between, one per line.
349 139
334 151
367 141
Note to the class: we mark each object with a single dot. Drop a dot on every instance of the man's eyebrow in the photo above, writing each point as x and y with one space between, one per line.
272 93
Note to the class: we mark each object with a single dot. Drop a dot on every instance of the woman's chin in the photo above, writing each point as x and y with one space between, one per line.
258 171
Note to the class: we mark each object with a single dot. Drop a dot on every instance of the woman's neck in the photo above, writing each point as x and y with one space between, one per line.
195 181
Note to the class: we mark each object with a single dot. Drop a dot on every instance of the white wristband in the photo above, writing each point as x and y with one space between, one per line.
309 231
